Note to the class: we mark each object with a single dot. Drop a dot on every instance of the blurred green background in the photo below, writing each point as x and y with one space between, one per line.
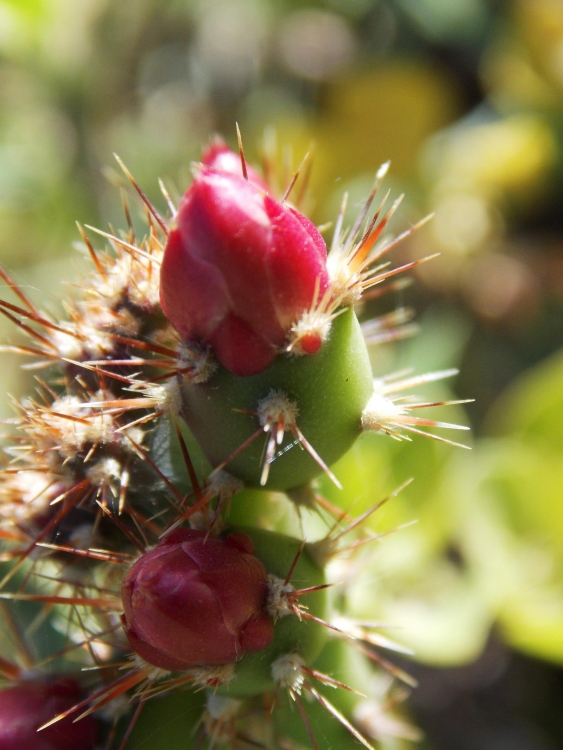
466 99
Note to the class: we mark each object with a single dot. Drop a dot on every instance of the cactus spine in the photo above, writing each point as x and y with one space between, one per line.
205 366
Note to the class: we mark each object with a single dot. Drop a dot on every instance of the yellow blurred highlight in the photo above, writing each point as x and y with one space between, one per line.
540 26
512 80
380 114
509 155
462 222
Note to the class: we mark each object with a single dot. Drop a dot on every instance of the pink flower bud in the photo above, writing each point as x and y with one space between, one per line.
193 601
28 705
219 157
240 269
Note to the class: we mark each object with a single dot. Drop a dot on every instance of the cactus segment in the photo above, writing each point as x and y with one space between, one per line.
116 498
330 390
277 552
336 715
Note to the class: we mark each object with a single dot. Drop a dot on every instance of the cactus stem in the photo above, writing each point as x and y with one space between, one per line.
282 597
237 452
277 414
201 516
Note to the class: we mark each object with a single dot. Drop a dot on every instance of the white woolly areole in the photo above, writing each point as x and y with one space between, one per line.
68 346
197 363
115 709
96 426
345 284
82 537
212 675
137 434
155 672
104 471
379 412
276 407
220 707
225 486
287 671
126 323
127 278
280 595
24 494
311 323
207 519
166 396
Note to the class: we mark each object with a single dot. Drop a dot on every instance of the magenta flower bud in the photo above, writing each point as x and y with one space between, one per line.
28 705
219 157
195 601
240 270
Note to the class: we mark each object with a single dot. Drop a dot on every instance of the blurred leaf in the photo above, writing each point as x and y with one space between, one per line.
462 20
509 499
532 407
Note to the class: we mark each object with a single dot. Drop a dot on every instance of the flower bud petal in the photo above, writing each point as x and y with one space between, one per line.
26 706
196 600
219 156
239 270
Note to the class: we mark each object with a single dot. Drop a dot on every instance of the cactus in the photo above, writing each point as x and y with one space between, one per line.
202 369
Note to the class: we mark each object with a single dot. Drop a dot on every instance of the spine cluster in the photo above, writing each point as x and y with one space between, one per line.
205 365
